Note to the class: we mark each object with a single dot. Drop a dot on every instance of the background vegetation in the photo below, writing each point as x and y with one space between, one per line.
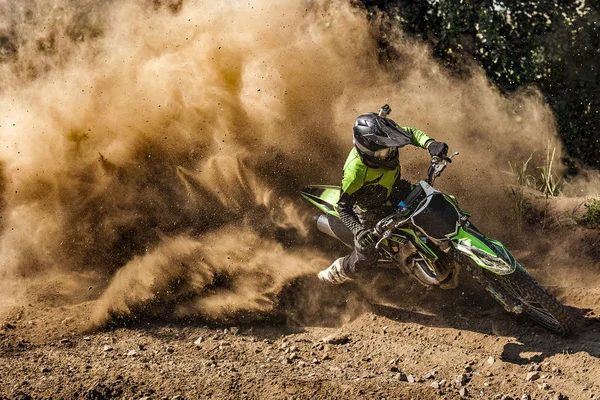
554 44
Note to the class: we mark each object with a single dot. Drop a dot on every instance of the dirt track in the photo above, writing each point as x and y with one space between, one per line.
452 341
146 158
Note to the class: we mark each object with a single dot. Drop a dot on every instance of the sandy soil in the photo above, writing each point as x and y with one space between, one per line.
410 343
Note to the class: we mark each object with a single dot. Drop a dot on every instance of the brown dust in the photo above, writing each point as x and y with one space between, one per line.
153 154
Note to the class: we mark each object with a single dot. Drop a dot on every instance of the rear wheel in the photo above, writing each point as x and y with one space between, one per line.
519 292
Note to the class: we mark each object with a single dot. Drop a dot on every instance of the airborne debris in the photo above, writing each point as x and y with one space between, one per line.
124 214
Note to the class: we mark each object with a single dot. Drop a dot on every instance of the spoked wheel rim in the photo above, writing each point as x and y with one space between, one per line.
534 308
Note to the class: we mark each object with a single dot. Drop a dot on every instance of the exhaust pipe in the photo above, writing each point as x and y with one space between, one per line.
335 228
323 225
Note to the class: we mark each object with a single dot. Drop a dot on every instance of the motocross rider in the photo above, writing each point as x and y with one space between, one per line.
372 187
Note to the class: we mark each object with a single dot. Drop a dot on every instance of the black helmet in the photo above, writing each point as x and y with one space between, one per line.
377 140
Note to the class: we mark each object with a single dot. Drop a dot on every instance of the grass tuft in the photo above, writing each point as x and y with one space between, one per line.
546 183
550 184
591 218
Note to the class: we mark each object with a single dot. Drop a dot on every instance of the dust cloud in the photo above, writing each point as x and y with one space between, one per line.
156 151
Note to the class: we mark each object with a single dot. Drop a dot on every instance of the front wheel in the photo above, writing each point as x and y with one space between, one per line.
519 292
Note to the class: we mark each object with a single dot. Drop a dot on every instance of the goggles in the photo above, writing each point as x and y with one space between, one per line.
385 153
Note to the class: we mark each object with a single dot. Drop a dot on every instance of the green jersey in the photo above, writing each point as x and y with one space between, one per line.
368 187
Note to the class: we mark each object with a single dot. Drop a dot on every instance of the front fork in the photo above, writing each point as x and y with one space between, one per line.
491 286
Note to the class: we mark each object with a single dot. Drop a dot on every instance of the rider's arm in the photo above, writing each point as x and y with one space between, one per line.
419 138
353 180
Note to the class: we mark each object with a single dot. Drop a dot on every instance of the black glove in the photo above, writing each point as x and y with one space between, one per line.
438 149
365 238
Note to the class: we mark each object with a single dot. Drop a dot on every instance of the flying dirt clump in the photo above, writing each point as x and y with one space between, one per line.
168 139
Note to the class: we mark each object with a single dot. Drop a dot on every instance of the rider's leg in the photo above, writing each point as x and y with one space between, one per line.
350 267
337 272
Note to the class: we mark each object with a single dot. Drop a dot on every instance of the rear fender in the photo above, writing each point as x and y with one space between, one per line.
324 197
487 253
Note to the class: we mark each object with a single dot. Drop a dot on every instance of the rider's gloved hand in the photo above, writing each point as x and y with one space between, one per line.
365 238
438 149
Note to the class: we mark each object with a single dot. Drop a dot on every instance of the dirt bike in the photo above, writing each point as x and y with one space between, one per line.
430 239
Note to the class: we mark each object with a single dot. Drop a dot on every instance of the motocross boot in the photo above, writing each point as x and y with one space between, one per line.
335 274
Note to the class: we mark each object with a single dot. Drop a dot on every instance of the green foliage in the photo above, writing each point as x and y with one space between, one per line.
552 44
591 218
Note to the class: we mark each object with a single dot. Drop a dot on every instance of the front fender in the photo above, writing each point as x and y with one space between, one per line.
487 253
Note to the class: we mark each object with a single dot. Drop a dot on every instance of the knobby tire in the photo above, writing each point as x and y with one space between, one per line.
537 304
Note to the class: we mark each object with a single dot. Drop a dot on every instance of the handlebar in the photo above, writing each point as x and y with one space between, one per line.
385 230
438 164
